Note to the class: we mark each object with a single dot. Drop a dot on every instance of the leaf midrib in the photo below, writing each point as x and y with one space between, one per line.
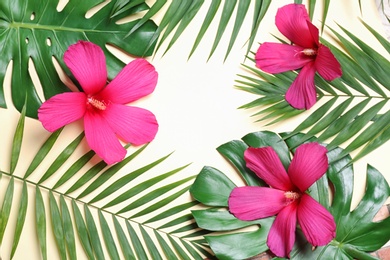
34 26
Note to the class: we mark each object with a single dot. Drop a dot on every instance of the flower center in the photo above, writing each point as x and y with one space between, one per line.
97 103
291 196
309 52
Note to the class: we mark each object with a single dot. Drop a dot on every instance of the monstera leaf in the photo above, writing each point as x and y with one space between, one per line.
36 31
354 107
93 205
356 233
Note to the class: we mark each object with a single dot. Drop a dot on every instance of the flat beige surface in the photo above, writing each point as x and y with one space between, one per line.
196 105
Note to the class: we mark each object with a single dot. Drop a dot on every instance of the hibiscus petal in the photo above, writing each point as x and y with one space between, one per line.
326 64
308 165
278 57
316 222
102 139
291 21
251 203
87 63
281 236
133 124
62 109
137 79
302 92
266 164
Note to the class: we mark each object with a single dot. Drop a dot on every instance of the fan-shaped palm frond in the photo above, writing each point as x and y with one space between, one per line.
362 91
119 219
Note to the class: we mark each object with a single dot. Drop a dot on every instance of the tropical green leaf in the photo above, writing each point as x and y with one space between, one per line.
97 228
57 226
17 142
349 104
356 233
6 208
22 212
38 32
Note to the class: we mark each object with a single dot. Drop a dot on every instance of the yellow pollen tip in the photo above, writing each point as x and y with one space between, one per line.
309 52
97 103
292 195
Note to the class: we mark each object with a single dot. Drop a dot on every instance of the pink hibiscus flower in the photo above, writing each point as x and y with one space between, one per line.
102 106
286 197
307 53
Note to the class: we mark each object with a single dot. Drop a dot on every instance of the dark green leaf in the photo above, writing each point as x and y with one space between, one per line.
244 245
212 187
28 26
234 152
217 220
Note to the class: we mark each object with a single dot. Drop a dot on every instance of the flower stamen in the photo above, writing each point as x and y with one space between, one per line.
291 196
309 52
97 103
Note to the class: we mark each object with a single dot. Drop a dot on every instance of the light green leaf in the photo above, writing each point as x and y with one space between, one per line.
138 247
124 243
17 141
82 231
22 212
43 151
6 208
150 244
93 233
68 229
57 226
108 238
61 159
40 218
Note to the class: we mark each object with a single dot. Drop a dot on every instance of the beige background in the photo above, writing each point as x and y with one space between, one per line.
196 105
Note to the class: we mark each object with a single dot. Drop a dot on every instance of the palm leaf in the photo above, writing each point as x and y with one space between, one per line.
124 227
340 119
37 31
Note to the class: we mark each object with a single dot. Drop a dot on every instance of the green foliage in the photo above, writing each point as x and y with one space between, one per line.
36 31
356 233
361 94
101 229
